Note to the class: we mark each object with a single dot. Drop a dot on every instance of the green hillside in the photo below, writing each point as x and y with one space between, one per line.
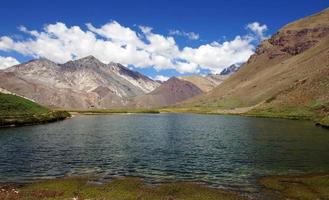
16 111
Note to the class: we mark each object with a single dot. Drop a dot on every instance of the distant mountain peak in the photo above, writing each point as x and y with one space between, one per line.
88 59
230 70
41 60
172 79
170 92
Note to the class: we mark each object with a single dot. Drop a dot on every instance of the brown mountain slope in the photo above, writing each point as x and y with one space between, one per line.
205 83
80 84
170 92
288 73
209 82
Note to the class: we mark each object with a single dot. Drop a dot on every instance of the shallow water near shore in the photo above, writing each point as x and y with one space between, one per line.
223 151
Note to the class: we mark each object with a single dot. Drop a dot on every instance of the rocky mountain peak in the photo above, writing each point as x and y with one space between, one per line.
87 81
295 38
177 85
35 65
89 59
87 62
172 79
172 91
230 70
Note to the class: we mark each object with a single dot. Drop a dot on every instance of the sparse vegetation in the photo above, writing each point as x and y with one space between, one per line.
284 112
307 187
317 111
302 187
200 110
18 111
114 111
119 189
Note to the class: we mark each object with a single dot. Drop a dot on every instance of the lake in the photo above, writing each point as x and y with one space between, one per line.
223 151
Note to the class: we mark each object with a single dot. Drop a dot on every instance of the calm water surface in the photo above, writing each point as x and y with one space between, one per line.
224 151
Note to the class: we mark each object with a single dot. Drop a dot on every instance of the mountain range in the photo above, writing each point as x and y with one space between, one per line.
287 76
88 83
80 84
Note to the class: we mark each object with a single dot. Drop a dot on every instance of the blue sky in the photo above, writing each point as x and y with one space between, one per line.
211 23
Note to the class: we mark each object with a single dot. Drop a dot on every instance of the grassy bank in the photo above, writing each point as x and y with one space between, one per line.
306 187
318 112
324 122
199 110
113 111
18 111
119 189
315 111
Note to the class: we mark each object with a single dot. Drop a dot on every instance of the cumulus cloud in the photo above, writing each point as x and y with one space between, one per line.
161 78
258 29
6 62
189 35
140 47
116 33
216 56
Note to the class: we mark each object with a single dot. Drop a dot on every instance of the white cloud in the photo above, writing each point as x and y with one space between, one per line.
186 66
258 29
140 48
161 78
189 35
117 33
216 56
6 62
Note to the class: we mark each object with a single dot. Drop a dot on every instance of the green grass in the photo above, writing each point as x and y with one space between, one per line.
324 121
304 187
201 110
114 111
11 104
284 112
317 111
119 189
17 111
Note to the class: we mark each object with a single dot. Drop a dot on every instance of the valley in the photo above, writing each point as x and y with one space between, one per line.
126 113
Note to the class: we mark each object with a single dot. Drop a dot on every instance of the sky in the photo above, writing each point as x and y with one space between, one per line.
158 38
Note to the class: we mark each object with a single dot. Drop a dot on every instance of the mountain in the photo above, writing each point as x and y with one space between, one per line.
170 92
16 111
210 81
205 83
230 70
83 83
287 75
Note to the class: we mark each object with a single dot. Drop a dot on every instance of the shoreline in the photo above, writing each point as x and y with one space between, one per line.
314 185
322 122
18 121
